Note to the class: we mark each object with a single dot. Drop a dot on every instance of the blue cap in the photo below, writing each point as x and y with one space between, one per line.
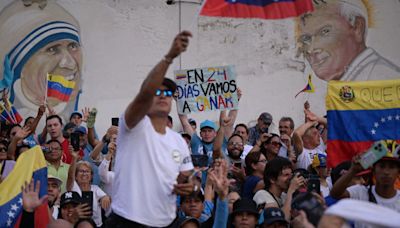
75 113
81 130
208 123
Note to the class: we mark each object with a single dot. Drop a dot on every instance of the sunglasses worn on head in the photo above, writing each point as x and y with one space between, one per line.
166 92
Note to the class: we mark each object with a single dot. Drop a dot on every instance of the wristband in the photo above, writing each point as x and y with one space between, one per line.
167 59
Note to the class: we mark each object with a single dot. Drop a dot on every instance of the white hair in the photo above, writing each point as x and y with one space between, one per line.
351 9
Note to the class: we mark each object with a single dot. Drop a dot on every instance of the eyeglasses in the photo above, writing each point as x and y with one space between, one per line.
3 149
236 144
263 161
276 144
166 92
84 171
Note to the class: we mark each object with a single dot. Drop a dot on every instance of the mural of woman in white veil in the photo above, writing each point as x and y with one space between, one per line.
37 39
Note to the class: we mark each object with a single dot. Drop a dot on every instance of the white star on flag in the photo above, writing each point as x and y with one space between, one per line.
376 124
389 117
14 207
11 214
20 201
397 117
373 131
9 222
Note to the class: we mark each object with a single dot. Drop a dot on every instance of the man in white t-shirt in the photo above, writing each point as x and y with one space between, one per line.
386 171
307 140
153 162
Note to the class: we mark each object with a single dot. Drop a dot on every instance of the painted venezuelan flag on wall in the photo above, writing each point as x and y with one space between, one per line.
30 164
360 113
59 87
264 9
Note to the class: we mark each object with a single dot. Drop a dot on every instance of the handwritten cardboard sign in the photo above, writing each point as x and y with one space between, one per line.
206 89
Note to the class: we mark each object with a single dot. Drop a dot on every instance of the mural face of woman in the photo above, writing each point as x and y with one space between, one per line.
62 57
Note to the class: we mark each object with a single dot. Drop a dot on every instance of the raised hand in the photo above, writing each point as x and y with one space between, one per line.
239 93
85 114
30 196
82 211
224 120
179 44
218 177
23 132
51 110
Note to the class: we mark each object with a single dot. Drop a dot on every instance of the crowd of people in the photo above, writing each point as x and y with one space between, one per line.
144 174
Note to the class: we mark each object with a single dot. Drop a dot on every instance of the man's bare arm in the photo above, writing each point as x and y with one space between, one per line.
139 107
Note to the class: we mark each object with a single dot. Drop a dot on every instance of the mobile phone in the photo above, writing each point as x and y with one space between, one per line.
238 165
373 154
87 197
200 160
314 185
75 141
115 121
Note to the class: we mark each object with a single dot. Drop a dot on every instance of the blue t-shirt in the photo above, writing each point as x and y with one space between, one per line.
249 184
200 147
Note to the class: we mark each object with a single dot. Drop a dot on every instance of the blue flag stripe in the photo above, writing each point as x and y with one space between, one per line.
363 125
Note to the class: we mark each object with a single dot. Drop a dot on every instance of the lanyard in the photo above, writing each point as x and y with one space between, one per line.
276 200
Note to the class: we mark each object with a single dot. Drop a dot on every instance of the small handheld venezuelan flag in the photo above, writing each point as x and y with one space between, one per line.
58 87
309 87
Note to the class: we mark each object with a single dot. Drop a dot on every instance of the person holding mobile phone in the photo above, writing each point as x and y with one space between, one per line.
80 175
383 192
150 156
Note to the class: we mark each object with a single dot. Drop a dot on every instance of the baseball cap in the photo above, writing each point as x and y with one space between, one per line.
319 160
58 180
208 123
169 84
184 220
81 130
70 197
274 214
76 113
193 195
265 117
245 205
393 153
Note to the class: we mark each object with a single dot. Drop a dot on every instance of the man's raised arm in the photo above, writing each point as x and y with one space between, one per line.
139 107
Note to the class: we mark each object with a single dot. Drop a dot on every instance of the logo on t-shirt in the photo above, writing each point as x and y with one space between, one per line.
176 155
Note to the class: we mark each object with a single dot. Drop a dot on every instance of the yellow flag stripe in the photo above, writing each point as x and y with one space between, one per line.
60 79
27 163
363 95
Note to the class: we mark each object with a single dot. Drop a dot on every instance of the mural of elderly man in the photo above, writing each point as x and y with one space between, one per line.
36 39
333 41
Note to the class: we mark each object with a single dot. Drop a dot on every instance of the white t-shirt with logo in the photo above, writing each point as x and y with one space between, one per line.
147 165
305 158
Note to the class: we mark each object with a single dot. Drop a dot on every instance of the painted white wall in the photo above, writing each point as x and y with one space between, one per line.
124 39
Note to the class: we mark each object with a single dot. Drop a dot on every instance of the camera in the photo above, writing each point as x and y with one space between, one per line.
309 204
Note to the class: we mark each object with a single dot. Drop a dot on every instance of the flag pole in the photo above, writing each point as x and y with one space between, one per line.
11 111
3 107
47 87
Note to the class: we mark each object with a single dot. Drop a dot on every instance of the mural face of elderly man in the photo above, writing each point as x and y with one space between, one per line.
329 41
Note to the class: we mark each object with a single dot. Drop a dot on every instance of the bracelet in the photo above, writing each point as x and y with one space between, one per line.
167 59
